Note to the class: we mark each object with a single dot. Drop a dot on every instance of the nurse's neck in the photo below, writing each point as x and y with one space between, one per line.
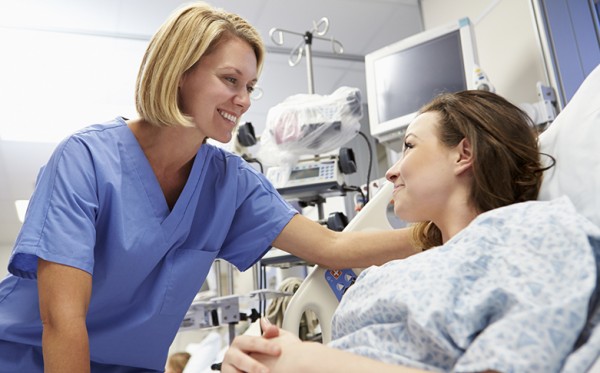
170 152
166 147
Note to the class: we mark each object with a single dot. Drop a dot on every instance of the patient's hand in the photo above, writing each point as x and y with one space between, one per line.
239 357
291 354
268 330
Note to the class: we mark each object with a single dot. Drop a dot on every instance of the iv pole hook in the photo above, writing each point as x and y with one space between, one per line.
318 30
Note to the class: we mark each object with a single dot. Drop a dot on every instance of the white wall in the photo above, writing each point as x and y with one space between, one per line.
4 255
67 90
506 40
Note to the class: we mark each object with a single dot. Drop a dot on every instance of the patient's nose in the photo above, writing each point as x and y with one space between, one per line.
392 174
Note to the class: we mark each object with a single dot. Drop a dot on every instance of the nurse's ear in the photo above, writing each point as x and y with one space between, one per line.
463 157
185 75
182 80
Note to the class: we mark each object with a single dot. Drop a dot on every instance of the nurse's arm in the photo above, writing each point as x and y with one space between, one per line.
64 294
313 242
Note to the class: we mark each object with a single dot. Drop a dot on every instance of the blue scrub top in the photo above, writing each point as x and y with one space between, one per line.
98 207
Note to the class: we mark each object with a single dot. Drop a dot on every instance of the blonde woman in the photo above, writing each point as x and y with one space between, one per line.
128 216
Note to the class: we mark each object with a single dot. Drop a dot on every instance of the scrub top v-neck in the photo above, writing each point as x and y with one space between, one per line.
99 207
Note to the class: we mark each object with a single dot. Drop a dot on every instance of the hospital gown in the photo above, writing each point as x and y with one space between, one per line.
510 293
98 207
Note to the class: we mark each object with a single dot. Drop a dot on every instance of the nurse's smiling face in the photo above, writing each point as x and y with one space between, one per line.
423 178
216 91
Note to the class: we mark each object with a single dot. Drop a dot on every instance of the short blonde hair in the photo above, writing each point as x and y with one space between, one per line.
188 34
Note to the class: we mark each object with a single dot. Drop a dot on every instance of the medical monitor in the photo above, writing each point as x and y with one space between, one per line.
405 75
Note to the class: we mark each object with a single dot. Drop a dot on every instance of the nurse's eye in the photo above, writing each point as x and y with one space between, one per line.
231 80
407 145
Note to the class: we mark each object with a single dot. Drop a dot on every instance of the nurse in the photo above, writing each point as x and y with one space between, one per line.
128 215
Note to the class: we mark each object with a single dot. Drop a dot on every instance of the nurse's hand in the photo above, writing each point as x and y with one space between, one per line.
238 356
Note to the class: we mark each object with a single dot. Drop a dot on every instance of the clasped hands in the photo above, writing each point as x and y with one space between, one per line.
276 350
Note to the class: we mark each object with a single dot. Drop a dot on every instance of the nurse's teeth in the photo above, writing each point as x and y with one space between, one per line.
228 116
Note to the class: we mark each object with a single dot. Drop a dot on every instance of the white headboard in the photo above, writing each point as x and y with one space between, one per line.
315 293
573 139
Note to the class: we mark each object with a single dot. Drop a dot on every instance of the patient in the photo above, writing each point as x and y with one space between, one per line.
501 285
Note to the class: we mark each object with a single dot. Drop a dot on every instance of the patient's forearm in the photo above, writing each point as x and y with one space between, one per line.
311 357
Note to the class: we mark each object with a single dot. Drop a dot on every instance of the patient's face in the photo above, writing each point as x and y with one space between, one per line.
423 178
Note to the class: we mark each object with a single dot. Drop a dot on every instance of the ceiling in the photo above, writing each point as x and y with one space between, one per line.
362 26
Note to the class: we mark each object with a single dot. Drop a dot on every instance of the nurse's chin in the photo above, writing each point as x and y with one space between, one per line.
223 139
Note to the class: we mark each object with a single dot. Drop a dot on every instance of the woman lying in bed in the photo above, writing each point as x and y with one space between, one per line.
501 285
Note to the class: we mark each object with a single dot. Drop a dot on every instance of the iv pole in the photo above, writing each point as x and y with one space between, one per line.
318 30
305 46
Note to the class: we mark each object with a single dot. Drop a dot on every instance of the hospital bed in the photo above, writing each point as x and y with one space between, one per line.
572 139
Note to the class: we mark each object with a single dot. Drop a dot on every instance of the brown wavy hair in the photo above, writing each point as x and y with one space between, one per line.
506 159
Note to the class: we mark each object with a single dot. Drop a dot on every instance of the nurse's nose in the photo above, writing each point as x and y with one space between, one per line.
242 99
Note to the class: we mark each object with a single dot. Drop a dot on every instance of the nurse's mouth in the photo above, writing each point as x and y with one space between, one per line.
230 117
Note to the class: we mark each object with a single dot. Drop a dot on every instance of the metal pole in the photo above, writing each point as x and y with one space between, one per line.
256 275
231 329
320 209
230 278
309 69
217 265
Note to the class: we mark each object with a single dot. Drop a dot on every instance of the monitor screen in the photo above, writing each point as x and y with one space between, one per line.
406 81
406 75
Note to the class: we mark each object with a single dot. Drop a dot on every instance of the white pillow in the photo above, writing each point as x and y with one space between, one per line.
204 354
573 139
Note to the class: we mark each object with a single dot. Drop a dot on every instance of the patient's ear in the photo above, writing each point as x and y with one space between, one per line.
464 157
